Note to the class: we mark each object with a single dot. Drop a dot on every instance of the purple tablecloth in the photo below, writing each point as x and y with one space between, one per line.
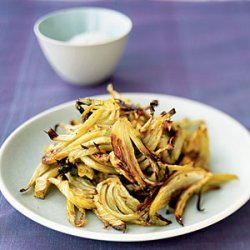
196 50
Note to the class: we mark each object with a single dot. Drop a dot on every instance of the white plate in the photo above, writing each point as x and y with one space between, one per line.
230 150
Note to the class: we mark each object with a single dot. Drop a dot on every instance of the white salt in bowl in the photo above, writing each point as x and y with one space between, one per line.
83 45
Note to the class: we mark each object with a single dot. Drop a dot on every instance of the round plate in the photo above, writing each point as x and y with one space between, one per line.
230 150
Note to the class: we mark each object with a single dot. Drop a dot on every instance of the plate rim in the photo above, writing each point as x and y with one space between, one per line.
118 237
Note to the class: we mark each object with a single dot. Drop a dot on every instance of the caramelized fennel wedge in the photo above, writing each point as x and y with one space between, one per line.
112 204
178 181
186 194
41 169
196 148
42 183
123 158
71 214
80 197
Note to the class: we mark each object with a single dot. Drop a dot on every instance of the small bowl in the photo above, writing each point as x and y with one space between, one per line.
83 64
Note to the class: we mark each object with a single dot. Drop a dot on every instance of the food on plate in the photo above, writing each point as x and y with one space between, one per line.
126 163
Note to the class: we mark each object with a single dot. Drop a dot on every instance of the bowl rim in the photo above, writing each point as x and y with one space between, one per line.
47 39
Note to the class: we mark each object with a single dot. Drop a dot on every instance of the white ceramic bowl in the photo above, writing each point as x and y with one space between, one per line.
78 63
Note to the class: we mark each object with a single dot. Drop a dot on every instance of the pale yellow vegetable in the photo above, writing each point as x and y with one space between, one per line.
80 196
196 148
125 163
41 169
114 205
42 183
71 215
178 181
